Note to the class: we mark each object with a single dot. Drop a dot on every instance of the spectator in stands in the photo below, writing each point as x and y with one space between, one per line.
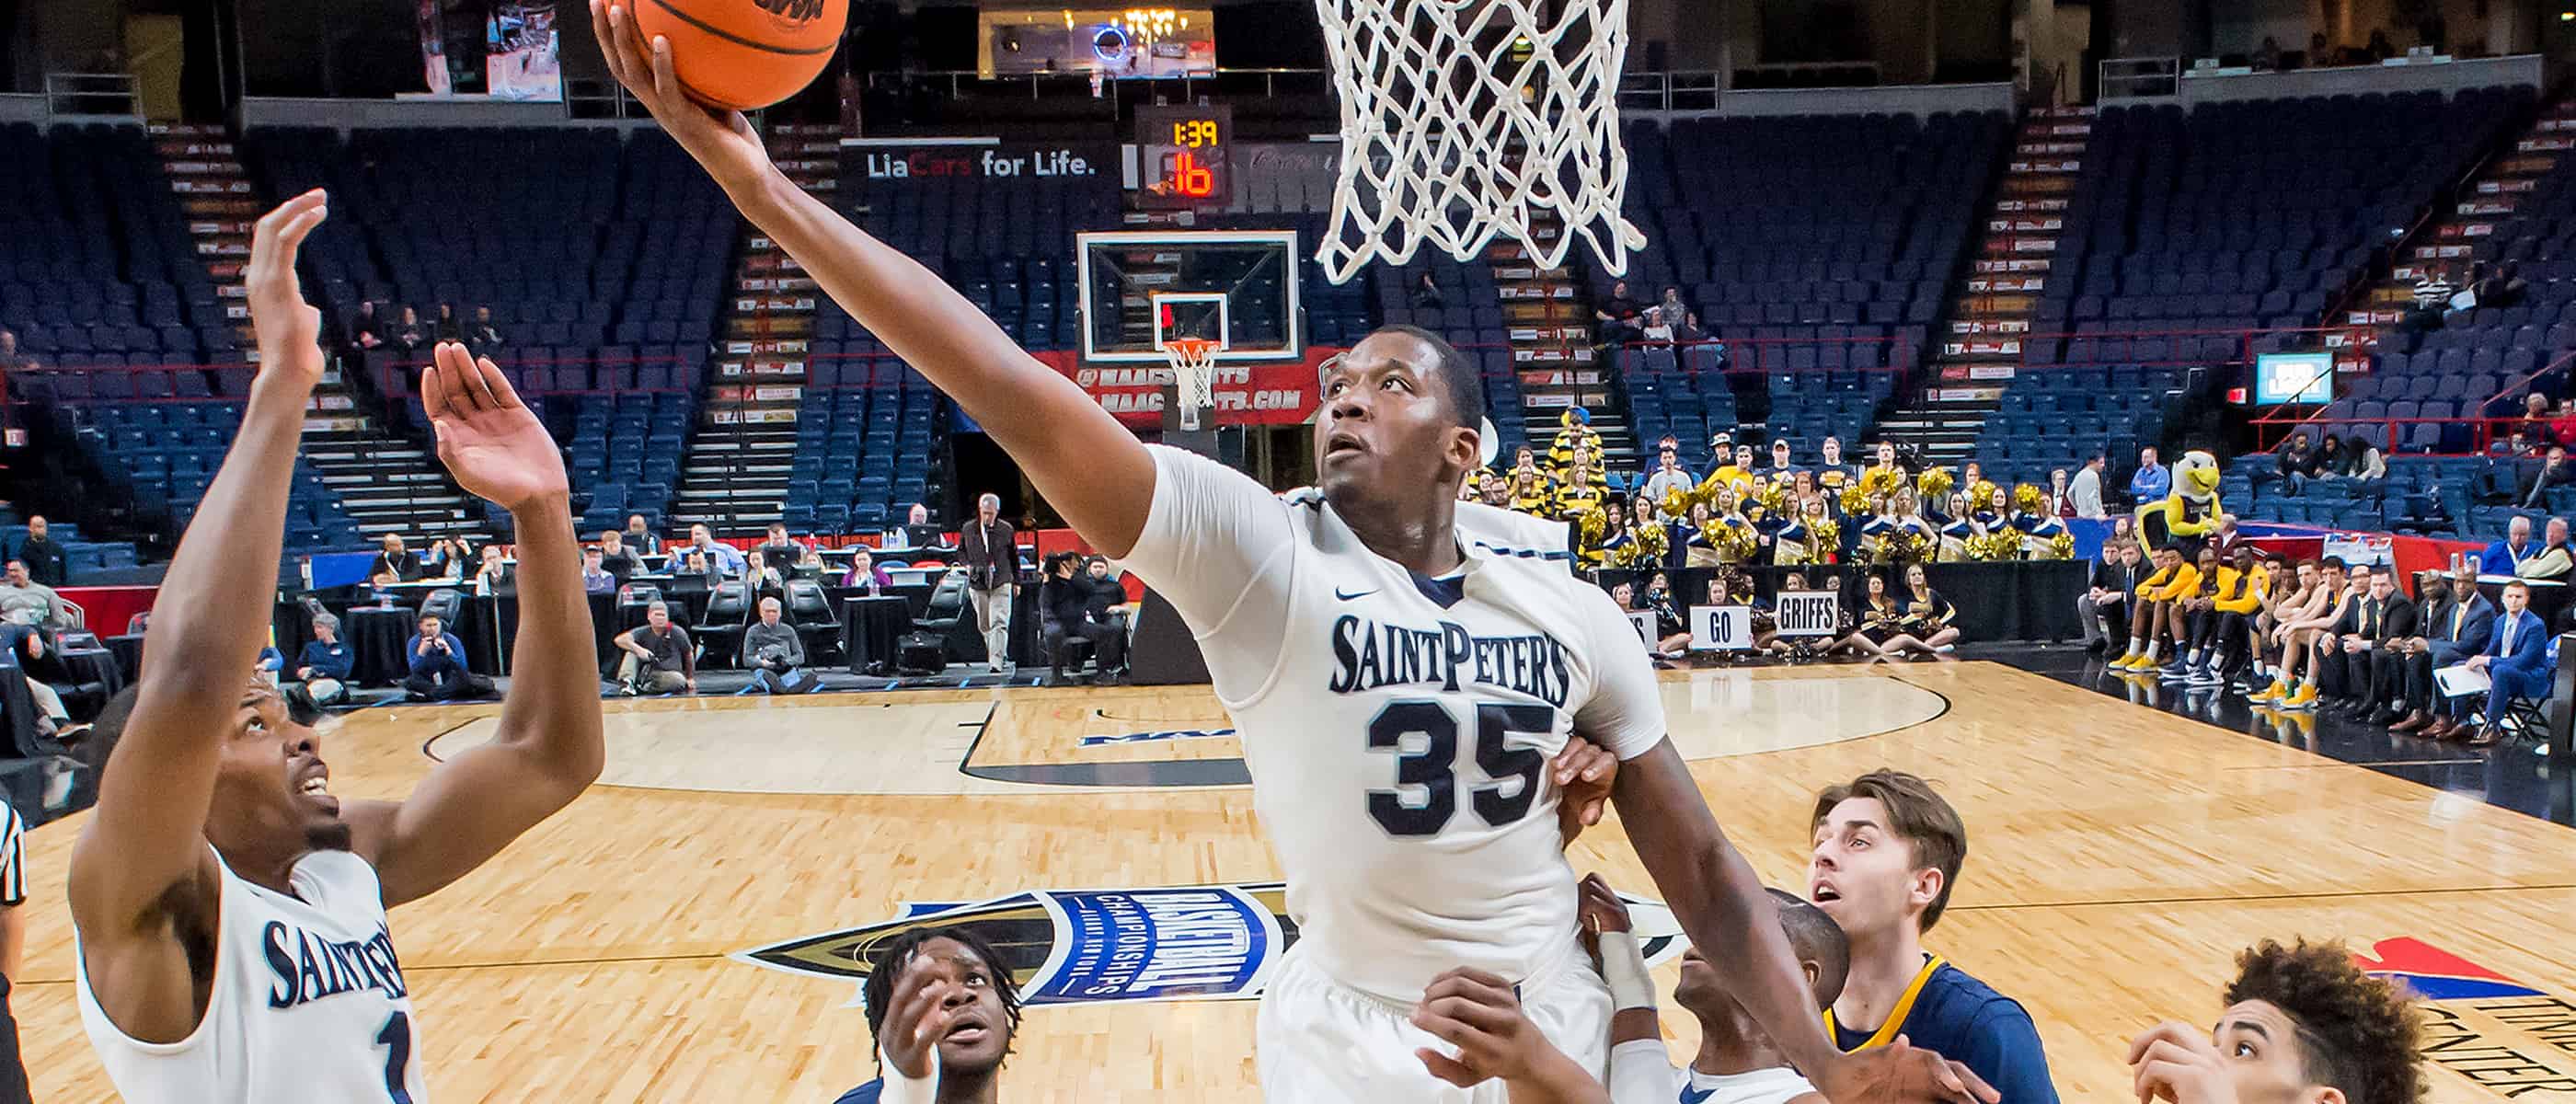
918 530
640 537
991 559
323 667
760 579
366 331
2536 426
1618 316
493 574
2553 472
775 655
2152 482
2379 48
2457 624
2227 538
441 561
45 560
2061 498
723 557
695 564
781 549
2267 55
595 576
394 560
1831 472
809 564
1426 292
659 658
2102 611
2505 557
2086 490
2320 54
865 576
449 327
1690 332
40 664
2516 662
615 557
2562 425
2362 462
2506 288
2556 555
408 335
1656 325
437 661
1780 467
2297 463
1494 492
1669 474
483 338
24 601
12 359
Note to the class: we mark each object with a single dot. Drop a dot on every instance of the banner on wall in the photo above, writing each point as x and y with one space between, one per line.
1270 392
937 161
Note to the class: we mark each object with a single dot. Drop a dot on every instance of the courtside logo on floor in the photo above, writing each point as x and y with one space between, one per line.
1156 737
2503 1036
1212 942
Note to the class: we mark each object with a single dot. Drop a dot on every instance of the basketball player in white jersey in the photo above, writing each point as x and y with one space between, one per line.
230 911
1399 665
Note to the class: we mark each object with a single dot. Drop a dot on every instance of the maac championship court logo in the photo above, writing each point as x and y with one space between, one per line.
2506 1037
1214 942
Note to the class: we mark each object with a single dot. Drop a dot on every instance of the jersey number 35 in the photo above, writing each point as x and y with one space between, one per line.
1435 768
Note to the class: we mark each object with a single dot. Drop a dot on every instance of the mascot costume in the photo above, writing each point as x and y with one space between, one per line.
2190 514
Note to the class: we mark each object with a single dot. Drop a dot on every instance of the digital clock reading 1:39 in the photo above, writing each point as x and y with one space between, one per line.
1183 157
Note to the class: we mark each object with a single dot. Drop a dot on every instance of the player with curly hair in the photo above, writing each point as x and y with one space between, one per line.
943 1007
2303 1025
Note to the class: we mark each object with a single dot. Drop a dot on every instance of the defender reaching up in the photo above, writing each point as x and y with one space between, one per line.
230 910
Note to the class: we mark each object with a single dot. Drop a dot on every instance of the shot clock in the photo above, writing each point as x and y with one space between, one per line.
1184 156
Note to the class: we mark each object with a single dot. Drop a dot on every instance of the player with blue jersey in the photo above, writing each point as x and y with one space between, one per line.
1887 853
1402 668
229 911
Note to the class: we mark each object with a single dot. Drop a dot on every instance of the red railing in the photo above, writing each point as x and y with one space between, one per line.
2273 429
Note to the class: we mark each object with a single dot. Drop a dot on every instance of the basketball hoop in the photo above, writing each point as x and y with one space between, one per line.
1193 377
1463 119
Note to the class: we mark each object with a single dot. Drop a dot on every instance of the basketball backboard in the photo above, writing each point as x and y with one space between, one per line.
1142 288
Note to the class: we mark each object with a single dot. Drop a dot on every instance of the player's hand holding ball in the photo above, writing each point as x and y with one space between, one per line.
2176 1062
719 138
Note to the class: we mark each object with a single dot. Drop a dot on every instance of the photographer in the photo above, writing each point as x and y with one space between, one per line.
438 670
775 655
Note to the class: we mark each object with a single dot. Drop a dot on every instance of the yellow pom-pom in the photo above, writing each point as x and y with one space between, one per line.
1935 483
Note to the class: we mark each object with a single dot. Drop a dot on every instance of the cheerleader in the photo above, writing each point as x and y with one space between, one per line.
1648 536
1733 588
1995 512
1611 535
1882 619
1928 617
1699 548
1955 531
1672 633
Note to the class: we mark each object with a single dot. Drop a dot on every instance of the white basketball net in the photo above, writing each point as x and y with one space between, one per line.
1193 377
1462 119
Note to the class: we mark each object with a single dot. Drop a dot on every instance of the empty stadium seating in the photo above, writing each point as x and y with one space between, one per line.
95 261
602 253
1818 246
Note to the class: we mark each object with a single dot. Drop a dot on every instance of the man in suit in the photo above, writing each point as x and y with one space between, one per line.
2362 670
2459 626
2516 663
2103 608
2226 538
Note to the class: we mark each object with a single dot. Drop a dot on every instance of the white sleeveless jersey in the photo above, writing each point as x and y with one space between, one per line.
308 1003
1398 729
1642 1072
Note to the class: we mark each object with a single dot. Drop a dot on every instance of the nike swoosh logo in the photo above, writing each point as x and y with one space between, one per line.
1689 1097
1346 596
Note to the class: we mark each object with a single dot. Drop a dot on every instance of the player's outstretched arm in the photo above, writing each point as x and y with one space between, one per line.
1721 903
1094 471
208 623
548 747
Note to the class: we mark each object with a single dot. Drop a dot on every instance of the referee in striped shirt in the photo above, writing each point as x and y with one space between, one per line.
13 946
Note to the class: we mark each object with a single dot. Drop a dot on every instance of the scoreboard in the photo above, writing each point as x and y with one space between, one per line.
1184 157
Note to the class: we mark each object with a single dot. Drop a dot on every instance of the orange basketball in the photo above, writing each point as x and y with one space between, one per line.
745 54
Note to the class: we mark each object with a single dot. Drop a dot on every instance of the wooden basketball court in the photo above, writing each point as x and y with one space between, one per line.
2118 858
